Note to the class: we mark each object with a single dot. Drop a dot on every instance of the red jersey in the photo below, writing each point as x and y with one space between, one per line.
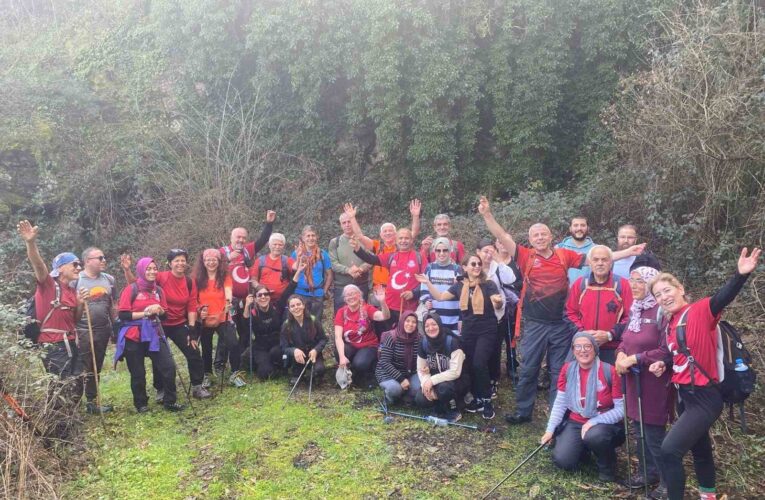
357 331
62 318
606 394
402 267
271 275
701 339
599 307
545 281
141 302
179 300
237 269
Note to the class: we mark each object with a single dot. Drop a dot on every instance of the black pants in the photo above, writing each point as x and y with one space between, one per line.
608 356
505 328
363 362
318 369
226 337
135 353
101 338
478 354
57 361
601 439
654 436
445 392
698 411
264 362
179 334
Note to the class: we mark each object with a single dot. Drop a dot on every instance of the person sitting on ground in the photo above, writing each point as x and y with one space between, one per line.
597 303
274 269
479 327
215 295
179 324
316 281
590 401
58 308
347 267
440 358
443 273
442 225
103 311
397 368
695 373
355 339
302 340
267 317
142 306
642 345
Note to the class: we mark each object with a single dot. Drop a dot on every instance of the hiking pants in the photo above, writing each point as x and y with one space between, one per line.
314 305
264 362
505 327
478 354
68 368
318 370
179 334
654 435
698 411
101 338
445 392
226 338
363 361
393 390
135 353
601 439
537 338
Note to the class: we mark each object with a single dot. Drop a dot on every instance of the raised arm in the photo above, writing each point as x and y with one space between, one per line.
498 231
632 251
363 254
415 208
126 262
350 211
434 292
29 233
384 313
728 292
265 233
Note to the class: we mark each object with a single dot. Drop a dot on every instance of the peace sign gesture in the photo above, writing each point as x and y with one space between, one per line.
747 264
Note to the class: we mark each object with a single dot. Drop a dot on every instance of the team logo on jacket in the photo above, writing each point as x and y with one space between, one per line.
394 282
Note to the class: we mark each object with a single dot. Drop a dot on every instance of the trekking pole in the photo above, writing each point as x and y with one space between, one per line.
296 384
636 371
95 367
249 336
557 431
310 382
175 367
431 419
627 432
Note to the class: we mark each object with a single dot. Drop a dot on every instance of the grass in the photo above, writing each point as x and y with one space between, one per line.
242 444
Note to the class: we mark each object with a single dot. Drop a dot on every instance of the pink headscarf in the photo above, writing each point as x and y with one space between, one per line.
140 271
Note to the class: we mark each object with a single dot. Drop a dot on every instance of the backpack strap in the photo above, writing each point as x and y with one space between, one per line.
682 345
261 265
56 304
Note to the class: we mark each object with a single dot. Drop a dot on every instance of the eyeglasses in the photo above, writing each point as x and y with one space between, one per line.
442 250
475 264
100 257
583 347
262 294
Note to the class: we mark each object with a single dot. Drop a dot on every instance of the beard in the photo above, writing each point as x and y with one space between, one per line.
579 236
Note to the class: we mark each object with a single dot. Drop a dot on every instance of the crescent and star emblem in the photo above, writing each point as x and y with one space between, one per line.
394 280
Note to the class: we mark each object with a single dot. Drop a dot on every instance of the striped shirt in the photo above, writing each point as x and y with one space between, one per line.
442 278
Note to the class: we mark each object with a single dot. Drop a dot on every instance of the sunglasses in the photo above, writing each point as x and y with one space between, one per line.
100 257
474 264
76 264
442 250
583 348
262 294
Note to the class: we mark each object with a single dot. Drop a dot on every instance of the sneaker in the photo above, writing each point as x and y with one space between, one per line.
206 384
475 405
494 387
199 392
93 409
488 409
453 416
142 409
516 418
175 407
237 379
160 397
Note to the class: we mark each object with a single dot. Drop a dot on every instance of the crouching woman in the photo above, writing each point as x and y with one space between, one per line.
590 407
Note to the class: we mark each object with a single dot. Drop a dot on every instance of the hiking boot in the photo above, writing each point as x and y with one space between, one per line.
206 384
494 388
452 416
160 397
637 482
142 409
475 405
93 409
659 493
199 392
488 409
237 379
516 418
175 407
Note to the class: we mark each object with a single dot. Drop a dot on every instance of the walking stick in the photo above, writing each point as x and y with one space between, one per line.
430 419
627 432
95 367
175 367
636 371
296 384
310 382
249 338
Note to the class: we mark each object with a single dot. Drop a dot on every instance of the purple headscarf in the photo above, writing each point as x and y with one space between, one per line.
140 273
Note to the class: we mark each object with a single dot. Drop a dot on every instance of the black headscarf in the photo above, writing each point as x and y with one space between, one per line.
437 344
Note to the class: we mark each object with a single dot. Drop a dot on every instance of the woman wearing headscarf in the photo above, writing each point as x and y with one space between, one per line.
302 339
695 374
643 344
443 273
478 299
397 368
215 294
440 359
142 306
589 404
355 339
316 281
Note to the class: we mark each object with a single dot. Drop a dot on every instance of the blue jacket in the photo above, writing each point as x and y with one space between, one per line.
568 243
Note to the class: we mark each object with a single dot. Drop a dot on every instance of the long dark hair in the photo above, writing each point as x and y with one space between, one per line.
200 272
465 261
309 323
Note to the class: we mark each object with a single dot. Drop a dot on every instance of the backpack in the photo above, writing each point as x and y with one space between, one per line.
735 386
33 328
285 267
617 289
416 253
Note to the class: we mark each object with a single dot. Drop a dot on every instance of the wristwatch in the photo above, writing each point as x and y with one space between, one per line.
610 337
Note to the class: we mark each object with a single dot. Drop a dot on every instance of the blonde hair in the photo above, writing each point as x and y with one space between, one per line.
667 278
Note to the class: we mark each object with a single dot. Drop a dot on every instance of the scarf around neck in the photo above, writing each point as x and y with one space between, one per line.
140 271
477 298
574 385
647 302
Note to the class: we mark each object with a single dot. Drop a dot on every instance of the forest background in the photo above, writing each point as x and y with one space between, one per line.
140 125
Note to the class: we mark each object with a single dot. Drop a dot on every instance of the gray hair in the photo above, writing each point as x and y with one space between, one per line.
347 289
441 217
86 253
277 236
600 247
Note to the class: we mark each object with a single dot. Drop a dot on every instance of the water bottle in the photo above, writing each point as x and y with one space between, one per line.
437 421
740 365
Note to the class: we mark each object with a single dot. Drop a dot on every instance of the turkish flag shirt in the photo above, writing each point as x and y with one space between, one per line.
402 267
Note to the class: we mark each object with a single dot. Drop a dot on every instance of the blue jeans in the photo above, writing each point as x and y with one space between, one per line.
394 391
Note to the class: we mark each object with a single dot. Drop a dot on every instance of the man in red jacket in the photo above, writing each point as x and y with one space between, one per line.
599 304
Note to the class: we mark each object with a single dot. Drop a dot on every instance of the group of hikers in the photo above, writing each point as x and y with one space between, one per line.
426 324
